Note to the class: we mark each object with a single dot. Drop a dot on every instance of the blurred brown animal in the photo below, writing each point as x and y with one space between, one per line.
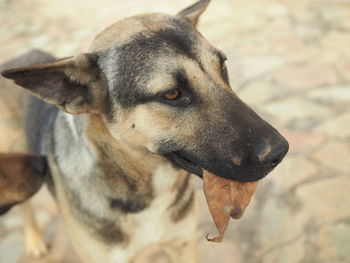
21 176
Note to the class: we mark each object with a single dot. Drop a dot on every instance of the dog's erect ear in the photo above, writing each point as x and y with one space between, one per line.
192 13
71 83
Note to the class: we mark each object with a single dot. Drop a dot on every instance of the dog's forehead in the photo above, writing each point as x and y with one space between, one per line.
149 51
161 31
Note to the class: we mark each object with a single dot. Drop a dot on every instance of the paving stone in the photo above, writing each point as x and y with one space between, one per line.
294 170
344 69
273 232
226 252
285 43
338 127
276 10
260 91
334 155
306 76
319 204
300 141
297 112
331 95
339 238
289 253
326 200
303 54
249 16
335 46
256 66
251 45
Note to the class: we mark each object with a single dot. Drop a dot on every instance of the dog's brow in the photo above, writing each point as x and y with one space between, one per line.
219 54
180 77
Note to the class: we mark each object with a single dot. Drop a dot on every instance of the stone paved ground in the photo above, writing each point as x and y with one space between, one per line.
290 60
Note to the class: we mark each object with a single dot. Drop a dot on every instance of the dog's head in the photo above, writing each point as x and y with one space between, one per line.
161 87
21 176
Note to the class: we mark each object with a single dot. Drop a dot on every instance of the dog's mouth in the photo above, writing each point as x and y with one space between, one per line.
223 169
184 162
225 198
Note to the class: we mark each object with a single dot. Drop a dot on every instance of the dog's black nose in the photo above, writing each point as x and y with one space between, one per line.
271 154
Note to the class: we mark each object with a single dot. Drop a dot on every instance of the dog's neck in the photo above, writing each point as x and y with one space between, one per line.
106 183
125 175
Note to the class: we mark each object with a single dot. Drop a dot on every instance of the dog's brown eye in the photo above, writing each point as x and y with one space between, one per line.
172 95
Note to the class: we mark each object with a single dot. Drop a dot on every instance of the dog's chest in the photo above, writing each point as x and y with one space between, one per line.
153 225
150 223
156 223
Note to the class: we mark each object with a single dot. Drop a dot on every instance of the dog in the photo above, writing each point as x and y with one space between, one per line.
21 176
127 125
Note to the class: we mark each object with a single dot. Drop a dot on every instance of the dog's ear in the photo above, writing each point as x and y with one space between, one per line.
72 84
191 14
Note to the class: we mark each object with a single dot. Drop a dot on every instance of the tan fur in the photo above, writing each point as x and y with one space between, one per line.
178 240
116 34
138 180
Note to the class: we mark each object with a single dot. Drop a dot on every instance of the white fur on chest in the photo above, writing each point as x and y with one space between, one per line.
151 226
154 225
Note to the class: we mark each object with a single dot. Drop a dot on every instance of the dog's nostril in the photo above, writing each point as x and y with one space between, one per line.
275 162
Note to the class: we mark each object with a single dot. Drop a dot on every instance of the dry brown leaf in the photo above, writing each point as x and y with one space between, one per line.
226 198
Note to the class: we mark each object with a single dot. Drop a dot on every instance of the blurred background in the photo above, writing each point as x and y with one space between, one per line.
290 61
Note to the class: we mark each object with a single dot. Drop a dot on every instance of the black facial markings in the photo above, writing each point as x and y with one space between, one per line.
166 146
130 66
187 97
179 39
107 109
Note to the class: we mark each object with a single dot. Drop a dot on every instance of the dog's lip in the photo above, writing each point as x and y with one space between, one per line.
181 161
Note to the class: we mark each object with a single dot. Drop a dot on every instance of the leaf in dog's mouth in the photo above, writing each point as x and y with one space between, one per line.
226 199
